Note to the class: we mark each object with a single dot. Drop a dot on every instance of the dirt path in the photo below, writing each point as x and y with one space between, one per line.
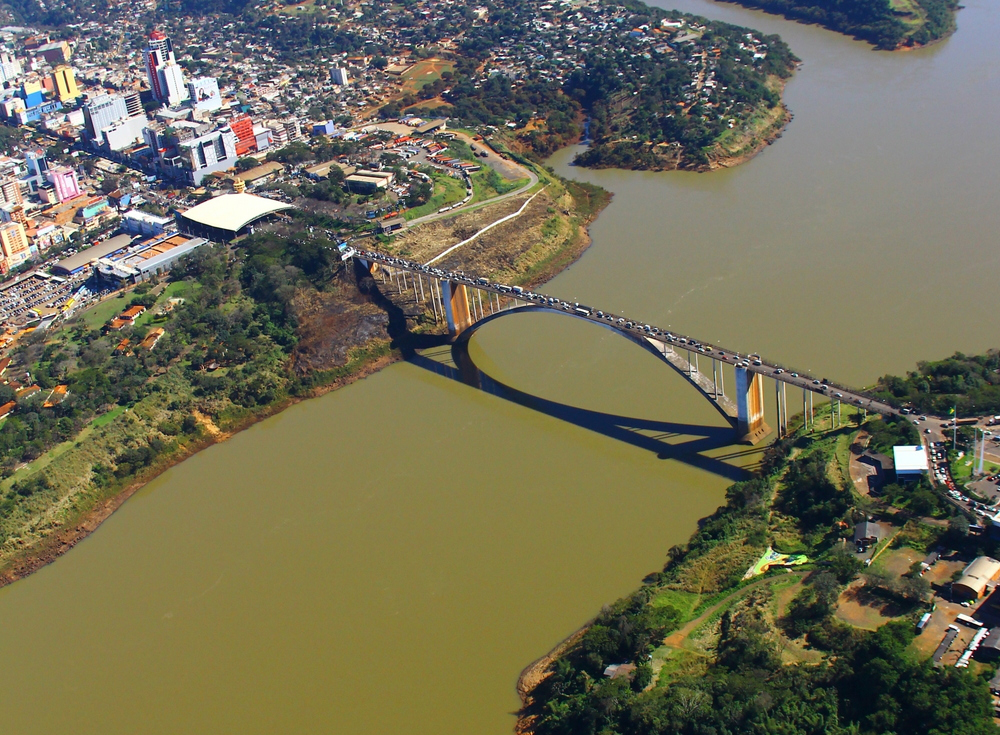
677 638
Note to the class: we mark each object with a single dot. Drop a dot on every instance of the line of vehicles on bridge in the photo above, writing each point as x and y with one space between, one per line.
751 362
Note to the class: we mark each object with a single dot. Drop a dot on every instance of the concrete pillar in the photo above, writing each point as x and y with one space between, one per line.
456 307
750 406
784 405
482 314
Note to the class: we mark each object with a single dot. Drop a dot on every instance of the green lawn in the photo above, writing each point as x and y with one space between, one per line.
447 190
486 186
97 316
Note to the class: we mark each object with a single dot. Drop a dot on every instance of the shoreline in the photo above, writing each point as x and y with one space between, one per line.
88 521
78 528
767 136
902 46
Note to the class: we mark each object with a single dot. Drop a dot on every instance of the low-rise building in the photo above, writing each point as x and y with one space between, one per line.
910 462
976 578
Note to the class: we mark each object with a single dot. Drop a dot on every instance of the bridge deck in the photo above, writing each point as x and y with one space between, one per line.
665 342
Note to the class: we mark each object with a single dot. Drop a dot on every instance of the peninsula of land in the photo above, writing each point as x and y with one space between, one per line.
886 24
822 591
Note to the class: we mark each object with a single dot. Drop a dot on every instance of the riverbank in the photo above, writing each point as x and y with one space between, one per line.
364 332
902 26
679 653
76 527
747 137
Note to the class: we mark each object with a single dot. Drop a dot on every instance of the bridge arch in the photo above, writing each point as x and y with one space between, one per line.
472 375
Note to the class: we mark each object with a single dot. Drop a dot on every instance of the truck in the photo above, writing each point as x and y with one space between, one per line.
967 620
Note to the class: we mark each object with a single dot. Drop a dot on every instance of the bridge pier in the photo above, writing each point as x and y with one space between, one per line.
456 307
750 424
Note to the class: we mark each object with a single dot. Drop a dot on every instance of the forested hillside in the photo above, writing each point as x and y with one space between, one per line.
887 24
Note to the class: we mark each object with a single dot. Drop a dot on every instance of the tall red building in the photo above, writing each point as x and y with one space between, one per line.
242 126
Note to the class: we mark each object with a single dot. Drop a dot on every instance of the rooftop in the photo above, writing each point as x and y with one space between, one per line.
909 459
233 211
89 255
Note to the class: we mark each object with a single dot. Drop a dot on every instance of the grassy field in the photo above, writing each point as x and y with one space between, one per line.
485 186
447 190
100 314
423 73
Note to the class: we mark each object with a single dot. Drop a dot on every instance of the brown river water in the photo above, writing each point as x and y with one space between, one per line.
388 557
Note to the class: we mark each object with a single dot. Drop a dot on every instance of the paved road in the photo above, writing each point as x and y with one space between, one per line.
502 165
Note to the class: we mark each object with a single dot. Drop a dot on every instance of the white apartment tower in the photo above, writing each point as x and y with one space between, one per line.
338 76
166 78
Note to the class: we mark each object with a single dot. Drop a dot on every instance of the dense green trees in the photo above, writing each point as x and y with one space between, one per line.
972 383
872 20
870 683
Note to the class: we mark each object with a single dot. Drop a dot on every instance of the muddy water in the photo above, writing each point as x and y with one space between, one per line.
388 557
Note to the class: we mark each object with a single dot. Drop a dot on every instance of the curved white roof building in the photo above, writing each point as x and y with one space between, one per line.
223 218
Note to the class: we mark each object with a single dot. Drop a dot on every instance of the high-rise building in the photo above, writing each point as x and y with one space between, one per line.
36 162
65 83
110 123
206 154
242 127
57 52
10 191
133 104
10 67
204 94
166 78
65 182
14 247
339 76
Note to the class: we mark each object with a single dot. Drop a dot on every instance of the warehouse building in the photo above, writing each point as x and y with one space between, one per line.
910 462
146 260
82 260
976 578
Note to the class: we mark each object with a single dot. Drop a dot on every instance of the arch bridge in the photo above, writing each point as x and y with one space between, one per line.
458 299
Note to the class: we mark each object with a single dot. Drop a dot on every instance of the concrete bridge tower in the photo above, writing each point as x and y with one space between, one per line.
750 426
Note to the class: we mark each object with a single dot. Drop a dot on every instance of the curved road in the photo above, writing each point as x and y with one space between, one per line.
494 161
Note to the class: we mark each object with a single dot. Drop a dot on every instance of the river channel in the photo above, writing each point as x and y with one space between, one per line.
387 558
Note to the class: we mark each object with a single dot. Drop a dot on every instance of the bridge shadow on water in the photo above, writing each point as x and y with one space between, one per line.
648 434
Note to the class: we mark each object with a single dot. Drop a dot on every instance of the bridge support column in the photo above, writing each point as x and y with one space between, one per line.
750 406
456 307
777 403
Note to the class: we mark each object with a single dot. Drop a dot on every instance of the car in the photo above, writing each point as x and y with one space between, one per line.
916 423
927 431
757 363
815 382
923 418
779 371
795 375
839 395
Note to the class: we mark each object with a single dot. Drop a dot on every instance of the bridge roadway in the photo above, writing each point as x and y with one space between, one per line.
666 343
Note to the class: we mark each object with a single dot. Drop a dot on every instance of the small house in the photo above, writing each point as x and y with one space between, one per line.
866 535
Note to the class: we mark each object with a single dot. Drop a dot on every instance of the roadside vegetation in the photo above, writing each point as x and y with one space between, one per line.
969 382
